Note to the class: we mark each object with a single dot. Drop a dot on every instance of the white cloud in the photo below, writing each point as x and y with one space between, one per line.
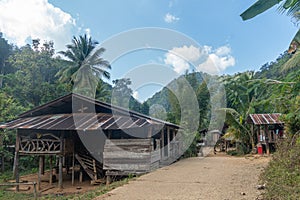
223 50
205 58
178 57
22 20
135 94
217 61
171 18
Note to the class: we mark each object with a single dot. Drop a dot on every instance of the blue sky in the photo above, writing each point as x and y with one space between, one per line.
232 45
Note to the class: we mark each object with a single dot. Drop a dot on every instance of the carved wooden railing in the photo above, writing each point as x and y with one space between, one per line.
42 144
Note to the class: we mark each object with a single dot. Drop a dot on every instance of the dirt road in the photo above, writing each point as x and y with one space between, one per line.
215 178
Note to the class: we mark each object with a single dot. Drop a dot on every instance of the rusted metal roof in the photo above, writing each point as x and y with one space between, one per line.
76 103
79 121
262 119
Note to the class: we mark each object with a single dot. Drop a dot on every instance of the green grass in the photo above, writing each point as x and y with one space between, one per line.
100 190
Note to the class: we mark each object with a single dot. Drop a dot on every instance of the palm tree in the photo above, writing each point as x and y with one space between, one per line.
86 65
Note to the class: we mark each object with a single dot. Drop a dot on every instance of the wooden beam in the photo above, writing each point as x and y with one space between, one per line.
94 169
40 172
258 134
108 180
43 165
168 139
73 166
16 161
60 178
267 140
80 176
51 170
162 143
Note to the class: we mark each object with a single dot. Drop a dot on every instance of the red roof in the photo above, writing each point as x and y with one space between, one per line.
262 119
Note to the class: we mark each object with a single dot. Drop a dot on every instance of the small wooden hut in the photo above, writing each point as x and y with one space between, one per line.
268 129
101 138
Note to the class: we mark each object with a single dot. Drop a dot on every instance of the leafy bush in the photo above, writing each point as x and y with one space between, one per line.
282 176
241 149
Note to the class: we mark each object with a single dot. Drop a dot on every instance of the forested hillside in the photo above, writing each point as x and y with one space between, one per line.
35 74
162 97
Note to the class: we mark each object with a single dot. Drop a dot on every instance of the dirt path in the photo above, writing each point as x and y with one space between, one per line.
215 178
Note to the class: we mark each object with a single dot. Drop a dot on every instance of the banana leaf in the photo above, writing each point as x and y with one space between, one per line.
258 7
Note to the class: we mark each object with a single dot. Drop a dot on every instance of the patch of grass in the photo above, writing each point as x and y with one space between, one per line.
282 176
102 189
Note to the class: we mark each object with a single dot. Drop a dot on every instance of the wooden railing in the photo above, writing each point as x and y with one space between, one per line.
46 143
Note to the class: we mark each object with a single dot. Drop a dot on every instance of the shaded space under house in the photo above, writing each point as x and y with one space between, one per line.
268 129
86 136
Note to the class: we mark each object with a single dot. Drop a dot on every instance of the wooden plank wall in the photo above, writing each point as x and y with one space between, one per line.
130 155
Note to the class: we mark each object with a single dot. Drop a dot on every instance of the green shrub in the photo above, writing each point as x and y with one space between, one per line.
282 176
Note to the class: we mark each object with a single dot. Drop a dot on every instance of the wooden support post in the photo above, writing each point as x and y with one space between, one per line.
95 170
43 165
258 134
40 171
73 166
51 170
80 176
60 178
162 143
252 139
267 140
168 139
108 180
16 161
149 136
34 190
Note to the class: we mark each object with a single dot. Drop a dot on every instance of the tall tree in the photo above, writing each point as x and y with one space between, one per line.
5 51
34 81
121 93
86 65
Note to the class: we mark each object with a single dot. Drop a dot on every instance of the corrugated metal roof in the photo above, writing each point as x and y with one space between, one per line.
262 119
79 121
75 103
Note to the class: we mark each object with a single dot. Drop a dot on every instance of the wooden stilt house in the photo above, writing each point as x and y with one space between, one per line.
100 138
268 129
